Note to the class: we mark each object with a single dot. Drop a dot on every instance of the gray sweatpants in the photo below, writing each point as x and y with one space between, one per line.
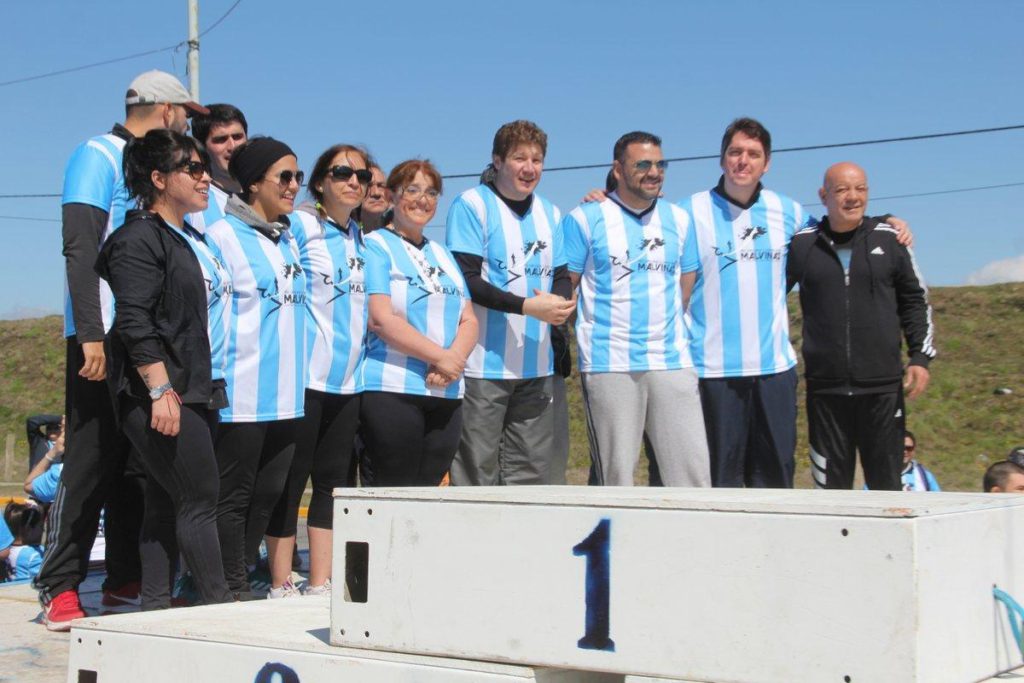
622 406
508 433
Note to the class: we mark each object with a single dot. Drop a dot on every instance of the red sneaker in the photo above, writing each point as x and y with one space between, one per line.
64 608
127 594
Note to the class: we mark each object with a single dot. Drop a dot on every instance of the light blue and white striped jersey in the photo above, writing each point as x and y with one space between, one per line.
218 297
25 561
6 537
427 290
519 256
740 323
630 309
265 368
335 271
93 176
200 220
44 487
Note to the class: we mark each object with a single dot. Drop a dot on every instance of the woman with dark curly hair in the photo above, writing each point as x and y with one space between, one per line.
166 358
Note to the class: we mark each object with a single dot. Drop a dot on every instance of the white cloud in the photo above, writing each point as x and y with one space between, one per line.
1004 270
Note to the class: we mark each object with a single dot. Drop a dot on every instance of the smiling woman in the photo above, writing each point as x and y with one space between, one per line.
165 353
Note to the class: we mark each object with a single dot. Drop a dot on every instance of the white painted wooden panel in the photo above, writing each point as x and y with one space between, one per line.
281 641
707 586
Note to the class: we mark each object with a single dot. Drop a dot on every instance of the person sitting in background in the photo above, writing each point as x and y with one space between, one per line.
25 556
916 477
44 475
42 431
1004 476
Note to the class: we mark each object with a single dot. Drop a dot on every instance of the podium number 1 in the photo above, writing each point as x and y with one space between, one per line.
595 548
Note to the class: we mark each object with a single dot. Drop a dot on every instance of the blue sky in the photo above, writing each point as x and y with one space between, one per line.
436 80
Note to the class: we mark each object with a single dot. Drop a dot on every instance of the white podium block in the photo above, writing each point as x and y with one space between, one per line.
703 585
278 641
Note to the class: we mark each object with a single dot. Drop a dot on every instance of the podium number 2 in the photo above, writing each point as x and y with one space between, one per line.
595 548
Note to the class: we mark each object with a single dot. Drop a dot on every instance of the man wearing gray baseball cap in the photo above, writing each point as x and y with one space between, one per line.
97 454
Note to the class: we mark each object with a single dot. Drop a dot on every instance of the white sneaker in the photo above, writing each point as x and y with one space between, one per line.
318 590
286 590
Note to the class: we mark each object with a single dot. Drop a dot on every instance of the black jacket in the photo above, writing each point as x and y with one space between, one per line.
852 325
160 314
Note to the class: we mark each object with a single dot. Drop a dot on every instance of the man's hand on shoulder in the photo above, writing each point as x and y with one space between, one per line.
903 234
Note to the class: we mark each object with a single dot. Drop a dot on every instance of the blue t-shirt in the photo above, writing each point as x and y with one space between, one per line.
44 487
25 561
6 537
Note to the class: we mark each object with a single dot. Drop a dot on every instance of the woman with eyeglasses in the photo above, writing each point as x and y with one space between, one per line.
166 358
266 348
421 330
331 252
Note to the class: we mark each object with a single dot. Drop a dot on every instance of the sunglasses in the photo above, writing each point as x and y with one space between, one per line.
907 449
646 164
343 173
284 179
195 169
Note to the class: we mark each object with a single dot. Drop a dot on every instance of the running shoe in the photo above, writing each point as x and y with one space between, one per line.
126 595
318 590
185 593
286 590
259 580
62 610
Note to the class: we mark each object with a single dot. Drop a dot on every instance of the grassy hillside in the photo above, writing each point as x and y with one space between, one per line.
960 423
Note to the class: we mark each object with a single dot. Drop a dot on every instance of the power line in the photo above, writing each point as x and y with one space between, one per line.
175 47
805 148
872 198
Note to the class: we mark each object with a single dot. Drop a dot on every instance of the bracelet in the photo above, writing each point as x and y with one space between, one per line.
48 458
156 392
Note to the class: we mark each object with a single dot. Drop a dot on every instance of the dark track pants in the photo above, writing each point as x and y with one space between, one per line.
253 459
99 470
840 426
181 503
751 428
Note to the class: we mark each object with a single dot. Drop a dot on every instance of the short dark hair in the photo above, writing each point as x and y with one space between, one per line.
515 133
907 434
998 473
161 150
402 174
751 128
323 163
636 137
220 115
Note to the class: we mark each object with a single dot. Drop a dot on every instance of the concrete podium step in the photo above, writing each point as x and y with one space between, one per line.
705 585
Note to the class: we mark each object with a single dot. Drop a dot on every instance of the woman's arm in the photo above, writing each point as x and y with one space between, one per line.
166 414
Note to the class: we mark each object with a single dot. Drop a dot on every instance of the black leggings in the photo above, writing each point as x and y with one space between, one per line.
181 502
324 449
410 440
253 458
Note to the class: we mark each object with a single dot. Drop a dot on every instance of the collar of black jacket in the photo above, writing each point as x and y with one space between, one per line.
122 132
720 190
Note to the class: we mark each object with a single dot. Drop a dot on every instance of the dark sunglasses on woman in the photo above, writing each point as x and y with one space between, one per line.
343 173
195 169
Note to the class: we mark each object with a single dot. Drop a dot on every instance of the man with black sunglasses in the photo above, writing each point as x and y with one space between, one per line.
93 206
221 131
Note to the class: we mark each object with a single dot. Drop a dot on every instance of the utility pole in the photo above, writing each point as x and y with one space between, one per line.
193 49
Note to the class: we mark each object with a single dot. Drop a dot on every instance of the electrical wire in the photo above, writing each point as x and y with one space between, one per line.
73 69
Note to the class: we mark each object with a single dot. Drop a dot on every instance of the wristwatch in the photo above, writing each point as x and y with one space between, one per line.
157 392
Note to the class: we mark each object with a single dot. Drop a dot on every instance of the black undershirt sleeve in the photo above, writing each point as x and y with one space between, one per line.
83 230
482 292
562 284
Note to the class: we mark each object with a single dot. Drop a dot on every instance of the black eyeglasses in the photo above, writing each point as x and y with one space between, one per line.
284 178
343 173
646 164
195 169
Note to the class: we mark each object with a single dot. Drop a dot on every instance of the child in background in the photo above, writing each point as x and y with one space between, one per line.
25 521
